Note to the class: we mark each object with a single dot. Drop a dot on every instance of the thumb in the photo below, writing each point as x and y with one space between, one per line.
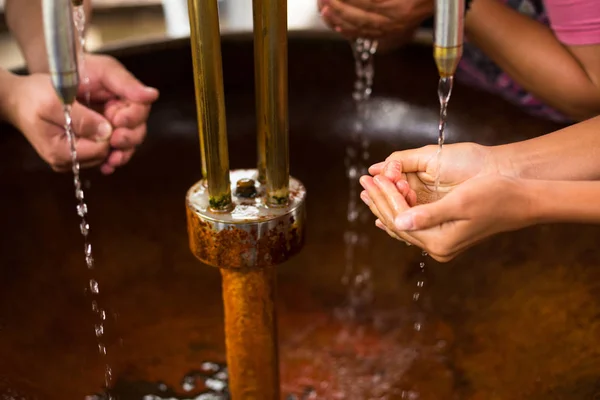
89 124
426 216
122 83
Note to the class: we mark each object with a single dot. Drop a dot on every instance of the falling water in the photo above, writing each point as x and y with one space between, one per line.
80 22
357 275
84 227
444 92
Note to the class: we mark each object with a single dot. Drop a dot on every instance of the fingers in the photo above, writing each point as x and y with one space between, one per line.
89 124
351 20
359 17
415 160
89 153
118 80
124 138
129 115
429 215
117 158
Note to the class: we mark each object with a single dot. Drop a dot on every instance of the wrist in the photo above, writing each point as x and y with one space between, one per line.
508 161
8 96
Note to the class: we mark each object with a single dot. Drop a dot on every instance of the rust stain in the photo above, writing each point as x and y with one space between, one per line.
234 248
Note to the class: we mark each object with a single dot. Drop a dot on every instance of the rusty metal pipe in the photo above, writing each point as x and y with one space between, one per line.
251 333
270 61
210 100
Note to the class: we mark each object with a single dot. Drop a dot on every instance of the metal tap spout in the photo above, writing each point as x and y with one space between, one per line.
59 33
448 35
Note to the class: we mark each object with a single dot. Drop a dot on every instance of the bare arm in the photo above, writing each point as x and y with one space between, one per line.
564 201
24 19
564 77
572 153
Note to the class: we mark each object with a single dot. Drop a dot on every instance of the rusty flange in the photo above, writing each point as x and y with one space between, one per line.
251 235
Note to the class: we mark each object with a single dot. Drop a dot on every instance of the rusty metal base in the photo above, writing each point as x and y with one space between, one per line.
251 235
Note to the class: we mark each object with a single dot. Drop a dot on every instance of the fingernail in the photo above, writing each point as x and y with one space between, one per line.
379 224
365 198
338 29
104 132
404 222
378 165
151 90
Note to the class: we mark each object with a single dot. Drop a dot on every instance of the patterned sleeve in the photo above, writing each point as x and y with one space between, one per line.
575 22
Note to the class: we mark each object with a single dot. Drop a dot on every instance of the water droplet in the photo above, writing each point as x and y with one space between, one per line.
101 349
79 194
420 284
99 330
82 209
94 286
352 172
422 265
416 296
215 384
84 227
417 326
424 253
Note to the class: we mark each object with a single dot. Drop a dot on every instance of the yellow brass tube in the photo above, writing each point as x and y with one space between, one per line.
210 99
270 55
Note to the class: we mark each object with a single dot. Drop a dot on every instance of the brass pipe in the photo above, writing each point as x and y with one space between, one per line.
59 34
210 100
251 333
270 55
448 35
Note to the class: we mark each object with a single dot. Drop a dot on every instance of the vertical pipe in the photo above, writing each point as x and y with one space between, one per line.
448 35
251 333
210 100
59 34
270 53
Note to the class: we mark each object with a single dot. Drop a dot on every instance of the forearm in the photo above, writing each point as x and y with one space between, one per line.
529 53
572 153
24 20
563 201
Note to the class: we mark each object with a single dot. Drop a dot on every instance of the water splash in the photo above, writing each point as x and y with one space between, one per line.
357 274
80 24
84 227
444 91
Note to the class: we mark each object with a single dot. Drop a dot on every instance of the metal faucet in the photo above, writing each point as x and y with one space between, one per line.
59 33
448 35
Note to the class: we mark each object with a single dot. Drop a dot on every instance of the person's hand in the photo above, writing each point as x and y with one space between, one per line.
107 132
123 100
375 19
459 162
474 210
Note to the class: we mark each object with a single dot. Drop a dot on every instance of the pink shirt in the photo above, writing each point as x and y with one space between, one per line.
574 22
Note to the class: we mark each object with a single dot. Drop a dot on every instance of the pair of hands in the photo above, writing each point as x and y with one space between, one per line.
480 195
390 21
107 131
